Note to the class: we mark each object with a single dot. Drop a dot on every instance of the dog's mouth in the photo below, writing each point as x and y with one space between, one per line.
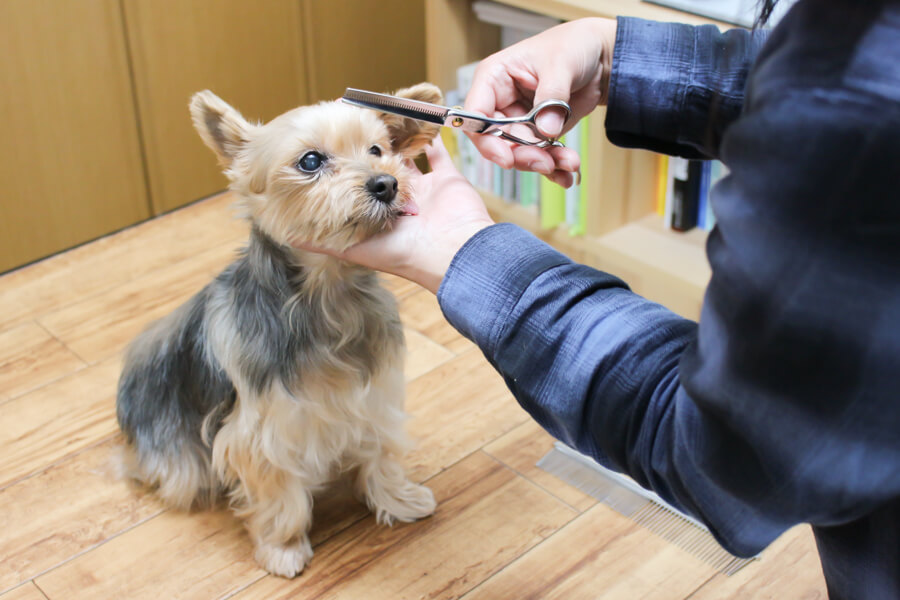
407 209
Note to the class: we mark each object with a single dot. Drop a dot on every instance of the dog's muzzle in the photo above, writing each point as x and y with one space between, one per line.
382 187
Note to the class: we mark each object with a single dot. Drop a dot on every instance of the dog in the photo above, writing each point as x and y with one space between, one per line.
287 369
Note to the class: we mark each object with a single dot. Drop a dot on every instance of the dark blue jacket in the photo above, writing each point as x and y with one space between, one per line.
782 405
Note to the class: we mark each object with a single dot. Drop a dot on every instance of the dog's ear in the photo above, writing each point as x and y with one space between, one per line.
222 127
408 136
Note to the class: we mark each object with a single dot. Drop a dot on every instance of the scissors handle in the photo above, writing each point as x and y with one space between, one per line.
492 125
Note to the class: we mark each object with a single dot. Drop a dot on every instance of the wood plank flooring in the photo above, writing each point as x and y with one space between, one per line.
70 529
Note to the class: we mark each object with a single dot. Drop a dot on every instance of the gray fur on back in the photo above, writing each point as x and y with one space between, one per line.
170 383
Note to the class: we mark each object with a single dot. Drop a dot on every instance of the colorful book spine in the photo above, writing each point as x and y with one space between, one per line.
584 152
572 139
662 178
703 194
552 204
676 180
529 188
508 185
717 172
682 193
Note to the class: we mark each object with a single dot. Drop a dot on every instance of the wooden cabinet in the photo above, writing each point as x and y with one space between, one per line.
94 97
248 53
70 159
379 46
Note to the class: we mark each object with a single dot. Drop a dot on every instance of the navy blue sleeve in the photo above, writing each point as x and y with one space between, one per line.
781 405
599 368
555 329
675 88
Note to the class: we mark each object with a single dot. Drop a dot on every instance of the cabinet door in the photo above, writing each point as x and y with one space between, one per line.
70 162
250 53
378 46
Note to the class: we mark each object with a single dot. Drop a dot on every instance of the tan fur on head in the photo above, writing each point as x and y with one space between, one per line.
220 126
332 206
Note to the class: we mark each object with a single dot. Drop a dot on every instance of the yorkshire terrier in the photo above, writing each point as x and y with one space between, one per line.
287 369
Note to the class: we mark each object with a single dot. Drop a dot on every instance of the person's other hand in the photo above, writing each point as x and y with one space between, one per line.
420 247
569 62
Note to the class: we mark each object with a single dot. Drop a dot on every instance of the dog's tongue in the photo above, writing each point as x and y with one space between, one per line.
410 208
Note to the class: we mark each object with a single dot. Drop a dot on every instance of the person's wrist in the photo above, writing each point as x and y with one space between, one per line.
604 31
429 270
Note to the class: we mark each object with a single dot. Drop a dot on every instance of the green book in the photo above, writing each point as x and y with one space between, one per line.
553 203
580 225
528 188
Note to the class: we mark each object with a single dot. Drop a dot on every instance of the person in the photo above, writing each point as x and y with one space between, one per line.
782 404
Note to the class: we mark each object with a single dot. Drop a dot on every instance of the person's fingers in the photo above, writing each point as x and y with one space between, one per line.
310 247
563 178
546 160
565 159
553 84
532 158
493 88
494 149
481 99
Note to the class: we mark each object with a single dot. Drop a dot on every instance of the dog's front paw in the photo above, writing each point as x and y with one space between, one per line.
406 503
286 561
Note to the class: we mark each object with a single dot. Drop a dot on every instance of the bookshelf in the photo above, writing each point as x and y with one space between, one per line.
625 236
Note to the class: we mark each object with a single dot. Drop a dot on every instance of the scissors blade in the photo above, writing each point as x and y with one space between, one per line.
414 109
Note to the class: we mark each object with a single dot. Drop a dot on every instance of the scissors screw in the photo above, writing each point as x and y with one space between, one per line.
457 122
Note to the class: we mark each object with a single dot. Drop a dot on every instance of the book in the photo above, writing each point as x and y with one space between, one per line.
510 193
586 168
676 170
552 204
703 194
682 193
690 214
662 178
529 188
572 139
496 180
717 170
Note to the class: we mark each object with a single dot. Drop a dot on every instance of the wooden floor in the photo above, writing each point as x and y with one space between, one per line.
503 528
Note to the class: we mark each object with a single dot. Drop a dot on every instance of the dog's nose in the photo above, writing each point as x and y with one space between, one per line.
382 187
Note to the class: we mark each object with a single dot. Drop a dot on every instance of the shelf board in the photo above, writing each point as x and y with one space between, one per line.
647 240
662 265
569 10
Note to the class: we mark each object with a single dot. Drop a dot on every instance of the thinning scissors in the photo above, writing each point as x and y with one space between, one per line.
458 118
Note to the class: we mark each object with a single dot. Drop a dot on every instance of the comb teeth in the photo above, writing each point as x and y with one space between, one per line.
643 507
408 108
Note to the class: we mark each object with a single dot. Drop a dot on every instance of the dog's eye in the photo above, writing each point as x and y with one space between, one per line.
375 151
311 162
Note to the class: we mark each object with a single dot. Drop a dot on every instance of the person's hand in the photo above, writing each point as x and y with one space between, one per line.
420 247
569 62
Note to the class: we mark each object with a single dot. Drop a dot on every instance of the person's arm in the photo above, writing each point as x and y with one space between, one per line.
675 88
780 407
